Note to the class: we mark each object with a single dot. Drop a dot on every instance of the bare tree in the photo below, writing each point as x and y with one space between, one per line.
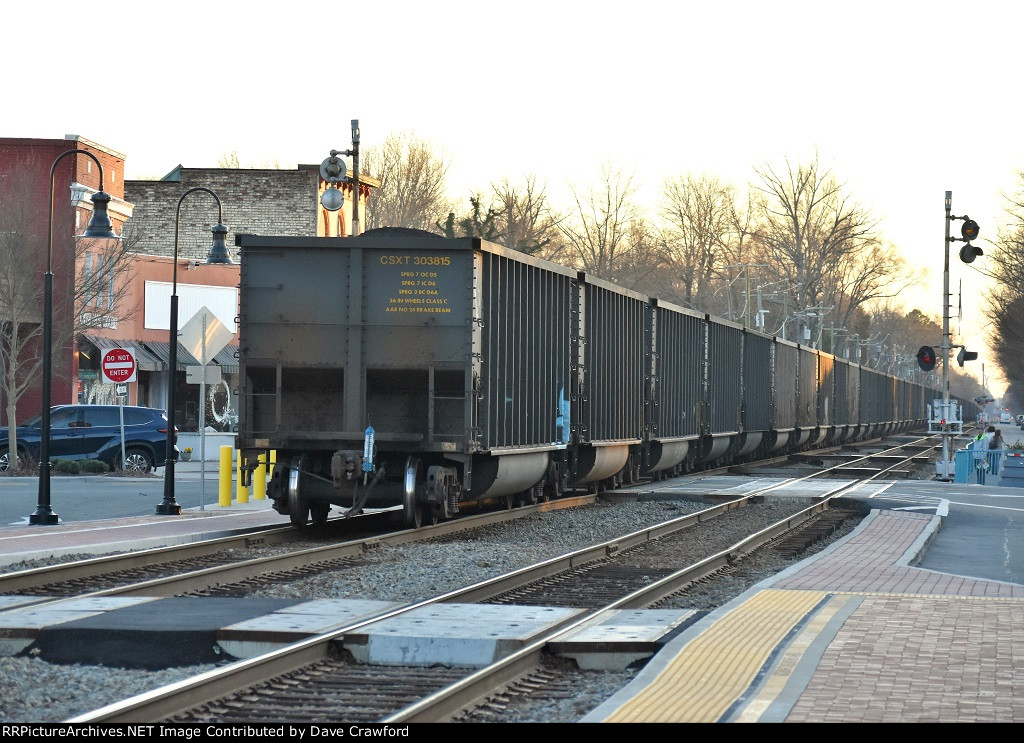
1005 266
231 161
103 270
642 267
601 230
412 189
823 245
703 230
528 222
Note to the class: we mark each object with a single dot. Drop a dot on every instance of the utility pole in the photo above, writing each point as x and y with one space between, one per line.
333 171
945 339
949 418
746 275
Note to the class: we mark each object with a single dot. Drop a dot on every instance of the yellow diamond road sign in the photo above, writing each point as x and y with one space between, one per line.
204 325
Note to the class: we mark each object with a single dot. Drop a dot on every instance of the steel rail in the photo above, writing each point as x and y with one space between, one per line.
181 696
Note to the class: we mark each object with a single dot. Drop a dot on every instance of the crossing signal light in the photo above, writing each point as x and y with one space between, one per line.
969 231
926 358
969 252
965 355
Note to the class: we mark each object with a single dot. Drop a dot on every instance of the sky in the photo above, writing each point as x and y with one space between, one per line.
903 101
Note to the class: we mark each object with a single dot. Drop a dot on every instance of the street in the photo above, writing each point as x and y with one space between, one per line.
88 498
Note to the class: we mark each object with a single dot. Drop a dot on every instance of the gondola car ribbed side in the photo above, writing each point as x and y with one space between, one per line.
807 398
724 389
841 414
827 428
858 431
757 394
871 403
609 421
784 396
677 391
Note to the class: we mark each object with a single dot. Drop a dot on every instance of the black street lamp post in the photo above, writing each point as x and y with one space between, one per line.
99 226
218 254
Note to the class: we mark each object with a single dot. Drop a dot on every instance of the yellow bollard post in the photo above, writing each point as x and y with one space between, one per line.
243 492
273 461
224 493
259 479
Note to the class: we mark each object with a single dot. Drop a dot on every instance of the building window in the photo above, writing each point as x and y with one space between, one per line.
88 279
96 286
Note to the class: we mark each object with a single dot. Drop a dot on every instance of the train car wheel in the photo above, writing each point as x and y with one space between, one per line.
411 507
319 512
298 502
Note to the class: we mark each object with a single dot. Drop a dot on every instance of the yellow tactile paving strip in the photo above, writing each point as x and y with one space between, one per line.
716 667
858 635
786 665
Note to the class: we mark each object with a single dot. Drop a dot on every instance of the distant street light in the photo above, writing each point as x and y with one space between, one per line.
99 226
218 255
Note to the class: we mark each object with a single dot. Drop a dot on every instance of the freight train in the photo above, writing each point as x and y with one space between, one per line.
400 368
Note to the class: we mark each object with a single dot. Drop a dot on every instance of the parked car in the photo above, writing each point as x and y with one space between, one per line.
94 432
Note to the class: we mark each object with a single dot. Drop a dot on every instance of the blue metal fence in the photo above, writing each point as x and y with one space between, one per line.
979 465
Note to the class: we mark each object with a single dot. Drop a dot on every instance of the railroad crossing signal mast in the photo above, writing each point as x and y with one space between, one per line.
333 171
948 417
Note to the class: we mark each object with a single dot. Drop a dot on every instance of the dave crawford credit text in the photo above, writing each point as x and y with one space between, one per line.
194 732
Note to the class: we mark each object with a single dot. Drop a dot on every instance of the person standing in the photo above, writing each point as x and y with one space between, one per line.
995 453
980 454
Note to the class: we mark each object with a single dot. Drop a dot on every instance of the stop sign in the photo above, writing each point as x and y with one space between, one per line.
118 365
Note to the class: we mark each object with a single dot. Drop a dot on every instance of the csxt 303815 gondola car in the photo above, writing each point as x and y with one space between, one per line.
402 368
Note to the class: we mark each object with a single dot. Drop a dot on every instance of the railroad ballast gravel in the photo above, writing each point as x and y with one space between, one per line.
37 691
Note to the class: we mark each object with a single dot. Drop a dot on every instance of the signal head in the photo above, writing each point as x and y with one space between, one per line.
965 355
969 230
969 252
926 358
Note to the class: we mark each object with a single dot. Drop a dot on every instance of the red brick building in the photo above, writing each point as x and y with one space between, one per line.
253 201
25 181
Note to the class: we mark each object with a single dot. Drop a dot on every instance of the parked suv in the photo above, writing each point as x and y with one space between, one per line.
94 432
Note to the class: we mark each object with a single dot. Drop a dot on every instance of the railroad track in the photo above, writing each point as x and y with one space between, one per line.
318 667
303 667
225 566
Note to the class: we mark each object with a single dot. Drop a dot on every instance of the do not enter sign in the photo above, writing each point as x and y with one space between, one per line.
118 365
